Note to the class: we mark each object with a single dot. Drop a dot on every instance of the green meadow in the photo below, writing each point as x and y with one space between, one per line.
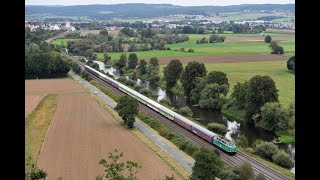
62 42
213 49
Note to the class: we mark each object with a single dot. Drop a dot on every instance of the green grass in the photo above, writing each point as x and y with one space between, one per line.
234 113
242 71
36 126
286 137
62 41
213 49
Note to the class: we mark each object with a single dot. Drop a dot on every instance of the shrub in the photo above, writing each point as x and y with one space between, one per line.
166 101
122 79
266 150
190 50
243 141
217 152
138 87
227 174
267 39
218 128
185 111
246 172
130 83
283 159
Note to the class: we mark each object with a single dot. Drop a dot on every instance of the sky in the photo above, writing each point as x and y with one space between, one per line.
174 2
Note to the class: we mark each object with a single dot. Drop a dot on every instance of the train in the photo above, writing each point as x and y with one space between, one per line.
209 136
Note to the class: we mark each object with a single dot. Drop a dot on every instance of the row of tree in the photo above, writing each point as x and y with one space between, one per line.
213 39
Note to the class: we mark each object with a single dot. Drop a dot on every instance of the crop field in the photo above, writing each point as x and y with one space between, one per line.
82 133
31 102
63 42
242 71
236 44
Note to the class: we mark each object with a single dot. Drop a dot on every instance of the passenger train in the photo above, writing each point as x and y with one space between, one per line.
200 131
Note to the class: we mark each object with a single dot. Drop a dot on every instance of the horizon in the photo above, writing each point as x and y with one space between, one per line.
157 2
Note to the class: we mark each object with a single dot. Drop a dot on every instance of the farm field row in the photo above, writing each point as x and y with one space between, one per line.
242 71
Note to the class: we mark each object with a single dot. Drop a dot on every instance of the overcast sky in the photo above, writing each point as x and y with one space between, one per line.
175 2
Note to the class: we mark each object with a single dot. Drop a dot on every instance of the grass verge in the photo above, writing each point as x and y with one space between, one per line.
36 126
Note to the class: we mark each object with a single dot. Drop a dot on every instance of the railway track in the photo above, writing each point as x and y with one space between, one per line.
235 160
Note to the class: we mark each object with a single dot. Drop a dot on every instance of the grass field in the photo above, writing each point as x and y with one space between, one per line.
62 41
242 71
36 126
215 49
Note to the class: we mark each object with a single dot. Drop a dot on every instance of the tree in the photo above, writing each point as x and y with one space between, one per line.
88 53
262 89
213 96
132 61
185 111
239 94
207 165
166 101
127 108
106 58
115 170
267 39
246 172
172 73
218 128
142 66
103 32
121 63
266 149
154 61
291 63
273 117
188 77
283 159
217 77
273 45
187 30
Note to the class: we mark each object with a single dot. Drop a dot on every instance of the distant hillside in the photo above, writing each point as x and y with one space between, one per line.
140 10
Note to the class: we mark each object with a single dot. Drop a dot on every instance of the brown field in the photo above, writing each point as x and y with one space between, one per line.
224 59
51 86
31 102
257 39
82 132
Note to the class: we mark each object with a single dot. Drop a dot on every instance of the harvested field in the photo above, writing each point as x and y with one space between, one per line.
50 86
82 132
224 59
31 102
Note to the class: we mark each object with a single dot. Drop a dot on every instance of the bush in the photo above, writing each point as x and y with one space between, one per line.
166 101
267 39
243 142
266 150
138 87
122 79
227 174
190 50
130 83
147 93
217 128
246 172
185 111
283 159
191 149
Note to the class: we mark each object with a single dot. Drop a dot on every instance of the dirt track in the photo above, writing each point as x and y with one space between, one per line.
224 59
82 132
